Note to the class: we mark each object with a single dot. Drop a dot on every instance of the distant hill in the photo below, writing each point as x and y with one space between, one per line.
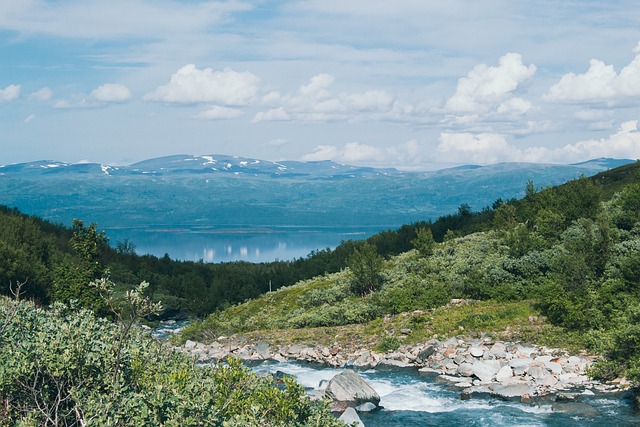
217 190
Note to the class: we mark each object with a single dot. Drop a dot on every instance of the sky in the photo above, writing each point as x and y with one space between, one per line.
412 84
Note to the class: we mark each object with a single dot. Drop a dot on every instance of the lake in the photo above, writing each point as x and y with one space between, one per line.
252 244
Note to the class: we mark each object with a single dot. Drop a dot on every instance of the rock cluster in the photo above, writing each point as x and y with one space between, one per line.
476 366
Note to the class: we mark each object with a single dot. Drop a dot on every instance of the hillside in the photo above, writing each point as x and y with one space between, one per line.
40 253
570 253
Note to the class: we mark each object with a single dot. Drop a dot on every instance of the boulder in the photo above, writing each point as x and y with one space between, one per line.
392 364
366 407
465 370
537 372
294 350
520 362
554 367
350 388
511 391
499 350
476 352
504 374
262 350
450 352
350 416
424 354
484 371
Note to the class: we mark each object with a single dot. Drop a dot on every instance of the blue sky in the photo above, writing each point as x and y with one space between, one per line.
414 84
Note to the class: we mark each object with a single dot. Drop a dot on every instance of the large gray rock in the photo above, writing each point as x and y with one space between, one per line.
505 373
465 370
262 350
484 371
350 388
512 391
350 416
476 351
499 350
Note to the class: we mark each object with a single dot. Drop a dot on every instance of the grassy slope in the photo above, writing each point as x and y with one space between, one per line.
276 316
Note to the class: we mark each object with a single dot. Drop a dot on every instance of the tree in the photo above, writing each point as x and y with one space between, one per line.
126 247
424 242
504 216
366 270
72 278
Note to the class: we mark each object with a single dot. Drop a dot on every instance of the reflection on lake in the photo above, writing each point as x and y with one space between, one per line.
253 244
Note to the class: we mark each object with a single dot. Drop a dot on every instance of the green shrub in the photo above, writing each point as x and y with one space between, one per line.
388 343
57 368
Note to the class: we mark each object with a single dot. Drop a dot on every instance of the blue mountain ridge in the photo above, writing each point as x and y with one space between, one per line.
209 191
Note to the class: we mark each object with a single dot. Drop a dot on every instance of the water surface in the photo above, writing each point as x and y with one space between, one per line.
411 399
253 244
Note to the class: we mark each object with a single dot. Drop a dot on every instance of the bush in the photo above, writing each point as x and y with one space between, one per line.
388 343
57 368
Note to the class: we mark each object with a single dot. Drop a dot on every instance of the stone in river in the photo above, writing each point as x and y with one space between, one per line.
350 416
350 388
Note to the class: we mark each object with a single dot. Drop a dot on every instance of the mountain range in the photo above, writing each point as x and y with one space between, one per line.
213 191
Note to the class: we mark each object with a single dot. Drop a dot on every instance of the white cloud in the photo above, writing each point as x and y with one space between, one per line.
322 152
599 83
355 152
317 87
481 148
91 19
491 148
191 85
351 153
487 87
591 115
316 102
595 84
45 94
9 93
624 144
111 92
274 115
29 118
407 155
220 113
77 102
517 106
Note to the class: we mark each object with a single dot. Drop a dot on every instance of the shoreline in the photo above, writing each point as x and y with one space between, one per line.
477 366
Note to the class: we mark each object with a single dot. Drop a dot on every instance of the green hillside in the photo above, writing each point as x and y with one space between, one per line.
570 253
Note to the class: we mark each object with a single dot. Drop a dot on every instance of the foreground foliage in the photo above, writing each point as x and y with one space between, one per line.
57 368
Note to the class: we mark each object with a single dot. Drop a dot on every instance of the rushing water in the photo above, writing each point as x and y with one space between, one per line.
253 244
411 399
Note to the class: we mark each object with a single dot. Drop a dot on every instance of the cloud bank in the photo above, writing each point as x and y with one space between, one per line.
190 85
599 83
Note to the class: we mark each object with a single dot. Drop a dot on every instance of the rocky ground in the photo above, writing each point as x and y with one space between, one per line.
476 366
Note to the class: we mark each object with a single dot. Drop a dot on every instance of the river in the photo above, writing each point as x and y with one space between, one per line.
411 399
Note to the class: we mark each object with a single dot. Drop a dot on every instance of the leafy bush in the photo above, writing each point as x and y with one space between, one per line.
57 368
388 343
